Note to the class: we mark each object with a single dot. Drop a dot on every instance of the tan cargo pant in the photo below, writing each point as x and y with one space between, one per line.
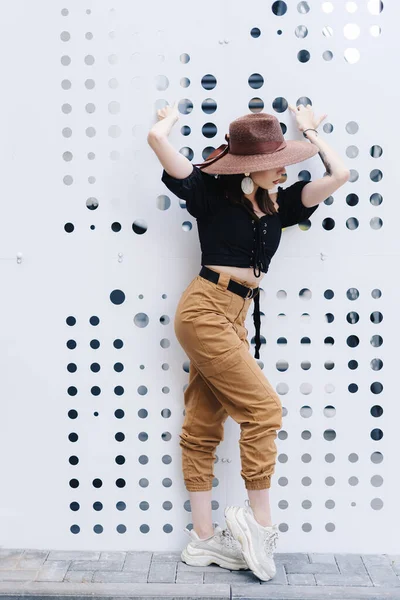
224 380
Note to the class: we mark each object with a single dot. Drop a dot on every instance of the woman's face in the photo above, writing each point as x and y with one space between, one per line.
268 178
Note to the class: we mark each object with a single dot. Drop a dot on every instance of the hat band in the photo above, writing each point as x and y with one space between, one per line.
243 148
236 147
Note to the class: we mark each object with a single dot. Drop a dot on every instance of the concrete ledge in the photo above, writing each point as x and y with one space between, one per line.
109 591
305 592
215 591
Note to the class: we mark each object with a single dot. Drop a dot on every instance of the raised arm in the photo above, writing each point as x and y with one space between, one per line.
201 191
174 162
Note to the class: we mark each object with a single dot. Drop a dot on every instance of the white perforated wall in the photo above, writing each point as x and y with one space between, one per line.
95 253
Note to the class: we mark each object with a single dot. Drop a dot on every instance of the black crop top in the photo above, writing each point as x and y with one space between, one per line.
227 233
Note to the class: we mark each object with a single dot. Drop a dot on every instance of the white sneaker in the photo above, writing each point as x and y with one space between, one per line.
258 542
220 548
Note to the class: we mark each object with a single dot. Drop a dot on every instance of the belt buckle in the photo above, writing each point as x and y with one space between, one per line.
251 292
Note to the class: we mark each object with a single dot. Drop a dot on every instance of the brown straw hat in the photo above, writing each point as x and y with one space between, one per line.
255 142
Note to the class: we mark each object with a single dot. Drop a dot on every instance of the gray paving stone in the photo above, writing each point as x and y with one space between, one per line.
32 559
394 563
350 557
79 576
376 559
342 580
162 573
279 579
289 592
137 561
383 576
18 575
301 579
312 568
350 564
115 556
54 570
120 577
319 557
11 552
225 576
285 557
165 557
189 577
9 558
73 555
98 565
8 563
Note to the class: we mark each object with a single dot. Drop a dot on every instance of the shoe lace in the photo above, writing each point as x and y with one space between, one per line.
227 538
270 540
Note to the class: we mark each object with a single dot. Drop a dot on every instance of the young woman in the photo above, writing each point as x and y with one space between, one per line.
239 222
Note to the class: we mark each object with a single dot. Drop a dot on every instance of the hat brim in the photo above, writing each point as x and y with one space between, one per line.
232 164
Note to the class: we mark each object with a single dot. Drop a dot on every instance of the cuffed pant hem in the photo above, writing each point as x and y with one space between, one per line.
198 488
259 484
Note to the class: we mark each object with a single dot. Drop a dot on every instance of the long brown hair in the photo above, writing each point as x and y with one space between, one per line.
233 192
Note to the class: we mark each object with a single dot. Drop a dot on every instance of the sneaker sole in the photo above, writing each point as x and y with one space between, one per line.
202 560
241 532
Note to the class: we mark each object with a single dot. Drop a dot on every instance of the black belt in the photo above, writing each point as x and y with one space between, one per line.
245 292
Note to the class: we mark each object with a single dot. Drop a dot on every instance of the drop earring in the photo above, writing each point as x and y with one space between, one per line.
247 184
283 178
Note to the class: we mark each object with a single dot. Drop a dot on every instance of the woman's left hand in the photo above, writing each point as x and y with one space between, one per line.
305 117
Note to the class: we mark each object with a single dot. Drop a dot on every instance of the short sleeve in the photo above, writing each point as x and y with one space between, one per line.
200 190
291 208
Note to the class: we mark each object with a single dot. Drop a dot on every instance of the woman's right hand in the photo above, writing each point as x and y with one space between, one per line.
168 111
